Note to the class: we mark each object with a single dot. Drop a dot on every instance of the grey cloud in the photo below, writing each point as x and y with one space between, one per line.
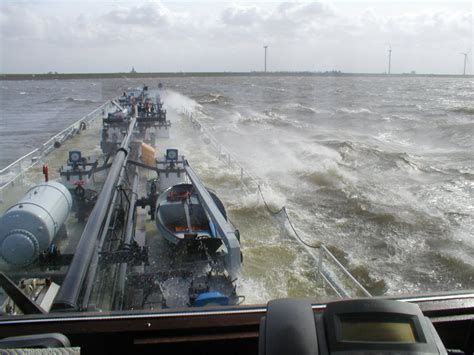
17 23
289 20
242 16
305 10
147 14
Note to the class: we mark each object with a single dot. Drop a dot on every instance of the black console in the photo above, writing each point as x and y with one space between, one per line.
353 327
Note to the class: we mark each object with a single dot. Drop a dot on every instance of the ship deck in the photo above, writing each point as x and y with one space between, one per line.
173 276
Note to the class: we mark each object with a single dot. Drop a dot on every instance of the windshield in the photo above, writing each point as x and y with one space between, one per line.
160 156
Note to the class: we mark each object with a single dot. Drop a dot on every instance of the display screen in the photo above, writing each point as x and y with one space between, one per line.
376 330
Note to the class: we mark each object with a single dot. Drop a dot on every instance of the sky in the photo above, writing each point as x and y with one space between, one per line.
39 36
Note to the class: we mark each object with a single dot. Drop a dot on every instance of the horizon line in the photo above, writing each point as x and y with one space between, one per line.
221 73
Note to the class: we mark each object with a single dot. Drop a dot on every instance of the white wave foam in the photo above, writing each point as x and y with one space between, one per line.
390 137
177 102
266 118
211 99
313 150
274 199
80 100
269 88
354 111
255 292
323 166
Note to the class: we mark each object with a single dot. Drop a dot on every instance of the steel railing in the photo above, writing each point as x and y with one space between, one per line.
16 169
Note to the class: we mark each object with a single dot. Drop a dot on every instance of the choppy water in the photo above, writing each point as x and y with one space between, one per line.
380 169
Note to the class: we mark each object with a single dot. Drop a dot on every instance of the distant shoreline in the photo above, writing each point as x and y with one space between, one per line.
67 76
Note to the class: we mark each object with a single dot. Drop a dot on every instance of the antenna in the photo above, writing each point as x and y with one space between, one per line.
265 63
389 58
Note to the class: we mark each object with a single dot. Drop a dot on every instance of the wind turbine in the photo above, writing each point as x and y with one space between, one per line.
389 58
465 61
265 65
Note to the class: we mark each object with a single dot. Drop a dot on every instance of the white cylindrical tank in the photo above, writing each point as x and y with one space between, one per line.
28 227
